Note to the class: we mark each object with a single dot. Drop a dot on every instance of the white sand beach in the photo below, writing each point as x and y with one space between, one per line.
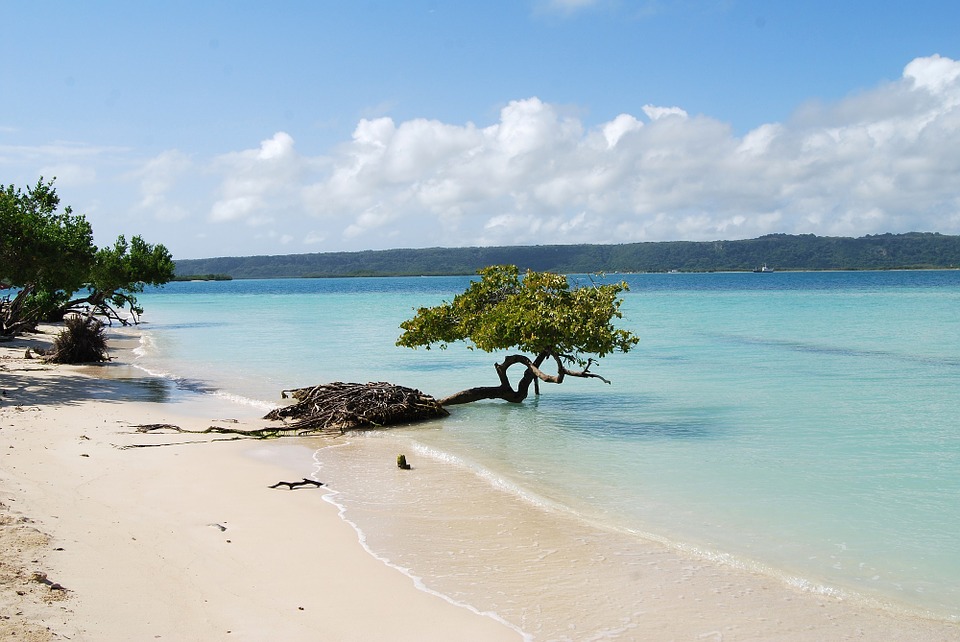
178 542
99 541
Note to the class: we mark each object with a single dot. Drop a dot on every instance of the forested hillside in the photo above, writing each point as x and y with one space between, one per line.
778 251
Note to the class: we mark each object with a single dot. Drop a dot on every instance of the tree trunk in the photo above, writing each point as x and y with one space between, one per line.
13 319
479 393
531 374
504 391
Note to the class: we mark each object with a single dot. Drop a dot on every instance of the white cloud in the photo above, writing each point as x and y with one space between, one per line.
879 161
618 127
656 113
158 178
234 209
882 160
936 74
258 185
73 164
70 174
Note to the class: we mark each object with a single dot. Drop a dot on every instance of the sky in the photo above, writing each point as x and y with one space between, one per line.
224 128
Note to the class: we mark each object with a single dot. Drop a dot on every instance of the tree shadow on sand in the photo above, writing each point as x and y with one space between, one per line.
19 386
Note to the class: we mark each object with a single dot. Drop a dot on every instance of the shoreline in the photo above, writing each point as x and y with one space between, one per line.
178 542
562 577
211 549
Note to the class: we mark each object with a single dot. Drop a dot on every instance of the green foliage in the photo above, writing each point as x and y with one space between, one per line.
538 313
121 271
45 253
82 340
40 246
131 267
49 255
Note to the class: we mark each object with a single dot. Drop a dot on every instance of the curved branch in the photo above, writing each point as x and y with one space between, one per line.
532 374
100 303
562 371
584 374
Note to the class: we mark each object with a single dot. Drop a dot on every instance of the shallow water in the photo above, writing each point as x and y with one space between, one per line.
799 424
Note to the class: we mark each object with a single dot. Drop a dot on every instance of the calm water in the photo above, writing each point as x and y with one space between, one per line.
801 424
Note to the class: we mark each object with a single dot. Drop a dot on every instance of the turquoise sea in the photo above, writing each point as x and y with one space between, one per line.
802 425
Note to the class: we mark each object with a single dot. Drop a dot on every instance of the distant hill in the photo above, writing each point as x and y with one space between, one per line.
779 251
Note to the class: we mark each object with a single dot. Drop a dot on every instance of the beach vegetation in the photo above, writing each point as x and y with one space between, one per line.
51 267
118 273
44 253
559 329
81 340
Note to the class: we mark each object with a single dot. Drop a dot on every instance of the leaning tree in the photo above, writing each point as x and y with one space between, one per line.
45 253
538 314
118 274
47 256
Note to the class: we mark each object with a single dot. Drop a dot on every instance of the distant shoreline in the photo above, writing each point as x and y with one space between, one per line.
407 276
782 252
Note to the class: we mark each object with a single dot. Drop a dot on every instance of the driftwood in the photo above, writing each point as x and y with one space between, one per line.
238 433
298 484
331 409
351 406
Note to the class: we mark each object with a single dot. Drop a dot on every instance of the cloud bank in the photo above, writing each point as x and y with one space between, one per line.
879 161
882 160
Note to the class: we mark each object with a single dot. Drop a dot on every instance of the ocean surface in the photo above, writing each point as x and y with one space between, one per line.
802 425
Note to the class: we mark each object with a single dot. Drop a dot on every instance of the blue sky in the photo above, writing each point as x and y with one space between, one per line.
226 128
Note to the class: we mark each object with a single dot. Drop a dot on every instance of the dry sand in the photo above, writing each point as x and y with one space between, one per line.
186 542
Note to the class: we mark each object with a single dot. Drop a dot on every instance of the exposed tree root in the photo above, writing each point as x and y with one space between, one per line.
327 409
350 406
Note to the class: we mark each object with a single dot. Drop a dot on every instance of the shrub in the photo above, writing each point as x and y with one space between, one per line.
82 340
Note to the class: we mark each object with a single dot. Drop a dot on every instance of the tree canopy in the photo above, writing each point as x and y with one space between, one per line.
538 313
49 256
122 270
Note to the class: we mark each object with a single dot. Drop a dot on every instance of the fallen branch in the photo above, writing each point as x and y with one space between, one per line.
252 433
299 484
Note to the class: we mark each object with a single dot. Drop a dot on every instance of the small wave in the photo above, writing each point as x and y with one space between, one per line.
687 549
147 346
199 387
244 401
493 479
330 496
797 582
